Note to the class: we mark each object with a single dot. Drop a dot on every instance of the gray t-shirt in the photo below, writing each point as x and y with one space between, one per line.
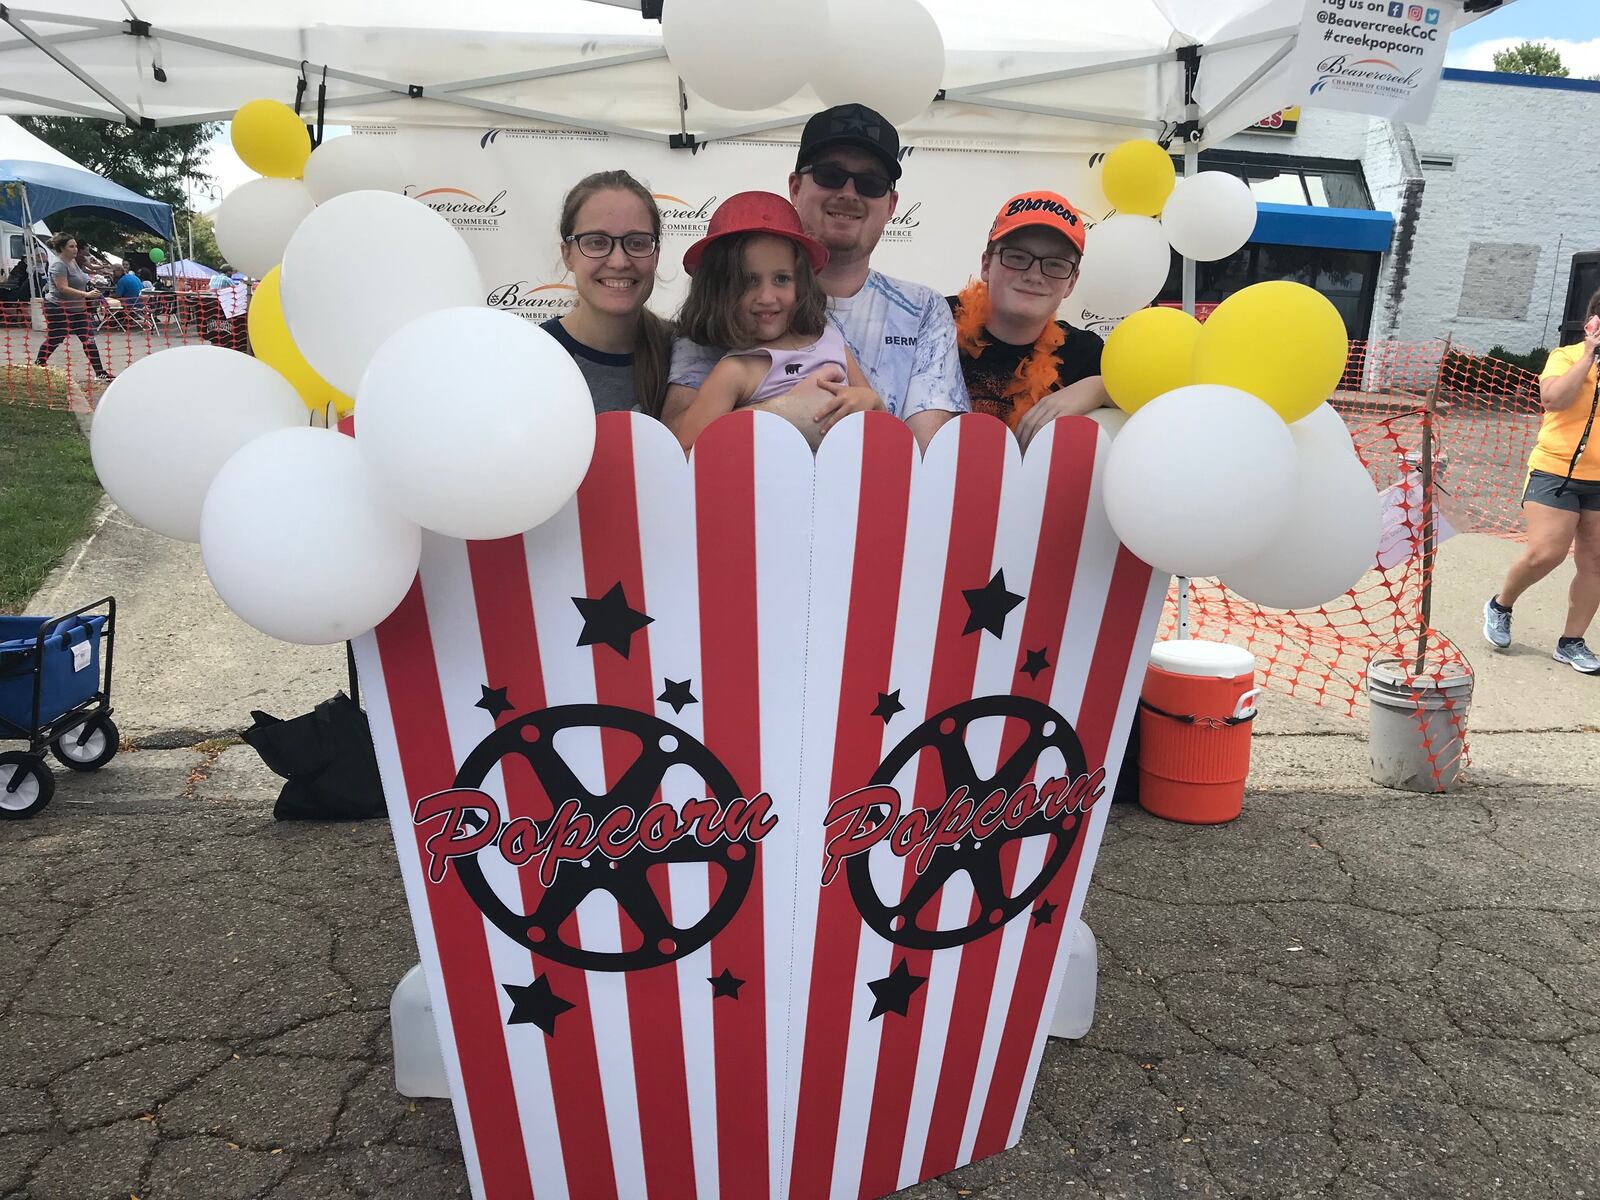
68 274
610 376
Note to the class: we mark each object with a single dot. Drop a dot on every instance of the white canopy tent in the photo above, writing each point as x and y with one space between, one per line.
1076 75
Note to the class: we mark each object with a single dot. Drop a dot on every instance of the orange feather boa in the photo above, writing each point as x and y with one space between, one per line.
1035 377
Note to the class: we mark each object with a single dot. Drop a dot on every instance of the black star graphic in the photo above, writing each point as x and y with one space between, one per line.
987 606
609 621
677 694
726 984
893 993
1042 914
494 701
535 1004
1035 663
888 705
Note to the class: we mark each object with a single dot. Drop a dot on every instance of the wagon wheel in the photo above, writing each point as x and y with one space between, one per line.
945 734
661 747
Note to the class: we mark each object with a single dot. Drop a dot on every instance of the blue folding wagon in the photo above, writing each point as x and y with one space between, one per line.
55 692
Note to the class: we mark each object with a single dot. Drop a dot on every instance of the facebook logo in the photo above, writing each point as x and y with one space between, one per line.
1433 16
1396 8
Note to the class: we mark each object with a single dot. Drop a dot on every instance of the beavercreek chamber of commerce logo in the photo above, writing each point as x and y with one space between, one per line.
535 301
684 218
467 211
902 227
1374 75
498 135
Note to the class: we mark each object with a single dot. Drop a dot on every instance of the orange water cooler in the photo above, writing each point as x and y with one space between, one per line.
1195 718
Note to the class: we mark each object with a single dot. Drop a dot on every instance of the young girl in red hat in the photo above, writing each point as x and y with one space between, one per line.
755 291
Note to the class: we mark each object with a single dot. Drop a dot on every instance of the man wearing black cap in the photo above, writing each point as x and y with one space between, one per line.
902 333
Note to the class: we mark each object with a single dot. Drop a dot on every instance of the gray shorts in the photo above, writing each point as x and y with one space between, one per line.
1579 495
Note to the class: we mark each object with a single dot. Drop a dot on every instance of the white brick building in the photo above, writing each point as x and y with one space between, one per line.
1490 199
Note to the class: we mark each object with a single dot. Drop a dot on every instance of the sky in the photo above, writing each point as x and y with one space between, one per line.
1571 26
1562 23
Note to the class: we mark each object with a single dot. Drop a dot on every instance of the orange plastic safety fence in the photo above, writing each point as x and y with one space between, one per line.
1484 421
121 336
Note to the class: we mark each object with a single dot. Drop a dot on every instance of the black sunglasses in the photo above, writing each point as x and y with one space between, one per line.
833 177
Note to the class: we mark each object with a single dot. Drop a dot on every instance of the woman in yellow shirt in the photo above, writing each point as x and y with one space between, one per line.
1562 500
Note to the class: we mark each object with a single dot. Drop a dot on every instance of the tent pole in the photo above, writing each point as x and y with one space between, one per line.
28 253
1191 163
11 18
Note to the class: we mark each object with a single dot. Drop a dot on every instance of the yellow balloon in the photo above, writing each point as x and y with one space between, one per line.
1282 342
1137 177
1148 355
269 338
271 139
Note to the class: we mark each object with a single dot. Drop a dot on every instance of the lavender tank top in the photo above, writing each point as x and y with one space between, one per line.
789 365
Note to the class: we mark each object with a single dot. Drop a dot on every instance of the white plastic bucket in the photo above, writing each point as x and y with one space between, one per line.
1419 726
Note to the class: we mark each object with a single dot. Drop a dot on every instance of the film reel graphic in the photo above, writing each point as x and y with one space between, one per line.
945 734
661 747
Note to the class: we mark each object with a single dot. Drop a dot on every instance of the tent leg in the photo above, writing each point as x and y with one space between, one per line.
29 254
1191 163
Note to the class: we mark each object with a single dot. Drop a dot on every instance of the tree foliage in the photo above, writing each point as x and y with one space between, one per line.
1531 58
160 163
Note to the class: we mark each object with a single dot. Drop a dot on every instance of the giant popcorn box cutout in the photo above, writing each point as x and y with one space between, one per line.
744 806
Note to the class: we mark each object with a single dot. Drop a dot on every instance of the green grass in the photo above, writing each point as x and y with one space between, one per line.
48 490
24 383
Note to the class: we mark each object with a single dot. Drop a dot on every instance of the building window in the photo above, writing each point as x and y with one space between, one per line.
1348 278
1277 179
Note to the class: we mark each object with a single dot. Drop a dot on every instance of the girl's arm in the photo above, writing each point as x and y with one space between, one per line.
731 382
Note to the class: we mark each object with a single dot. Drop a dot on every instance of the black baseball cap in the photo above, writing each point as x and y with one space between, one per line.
851 125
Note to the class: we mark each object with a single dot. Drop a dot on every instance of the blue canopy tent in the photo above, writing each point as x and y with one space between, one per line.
46 189
35 191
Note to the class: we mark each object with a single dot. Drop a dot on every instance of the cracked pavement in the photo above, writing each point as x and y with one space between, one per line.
1348 992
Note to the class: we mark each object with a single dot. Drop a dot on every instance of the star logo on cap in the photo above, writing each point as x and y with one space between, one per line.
855 123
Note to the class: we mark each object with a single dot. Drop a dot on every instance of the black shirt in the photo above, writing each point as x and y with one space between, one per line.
989 374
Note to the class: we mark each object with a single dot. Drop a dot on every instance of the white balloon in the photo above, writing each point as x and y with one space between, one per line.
361 266
1110 419
256 220
300 543
709 44
1328 543
888 55
1209 215
1200 479
353 163
1323 432
484 442
1126 260
167 424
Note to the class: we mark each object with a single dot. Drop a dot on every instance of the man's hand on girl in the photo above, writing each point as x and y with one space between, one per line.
846 400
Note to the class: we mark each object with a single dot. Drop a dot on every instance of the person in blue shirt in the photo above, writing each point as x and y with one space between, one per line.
129 287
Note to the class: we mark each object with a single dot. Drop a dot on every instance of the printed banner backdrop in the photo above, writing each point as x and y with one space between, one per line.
744 806
502 189
1383 57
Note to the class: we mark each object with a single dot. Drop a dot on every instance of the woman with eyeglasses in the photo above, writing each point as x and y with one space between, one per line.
1020 363
610 241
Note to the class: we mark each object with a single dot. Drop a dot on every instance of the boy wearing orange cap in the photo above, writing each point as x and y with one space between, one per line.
1020 363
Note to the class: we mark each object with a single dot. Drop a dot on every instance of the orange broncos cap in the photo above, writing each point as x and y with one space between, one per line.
1045 209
